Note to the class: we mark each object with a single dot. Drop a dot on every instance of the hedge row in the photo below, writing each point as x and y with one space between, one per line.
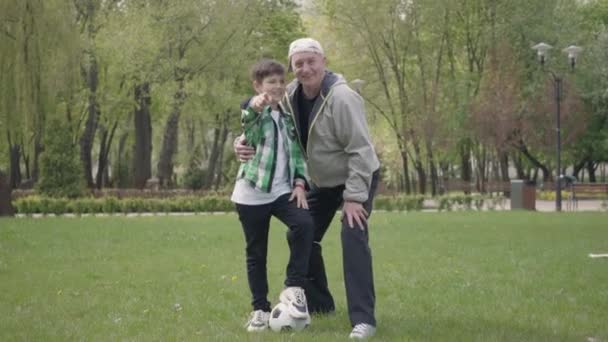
469 202
111 205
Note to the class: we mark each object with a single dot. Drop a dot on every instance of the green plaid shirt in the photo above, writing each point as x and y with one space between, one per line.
261 132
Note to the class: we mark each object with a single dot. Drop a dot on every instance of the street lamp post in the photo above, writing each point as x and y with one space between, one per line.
573 52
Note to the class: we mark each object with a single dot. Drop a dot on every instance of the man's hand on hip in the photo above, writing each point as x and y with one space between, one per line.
354 212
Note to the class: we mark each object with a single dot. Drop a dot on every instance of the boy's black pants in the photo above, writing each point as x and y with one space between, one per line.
255 220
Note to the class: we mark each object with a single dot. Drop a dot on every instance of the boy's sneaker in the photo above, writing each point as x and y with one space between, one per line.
362 331
258 321
295 299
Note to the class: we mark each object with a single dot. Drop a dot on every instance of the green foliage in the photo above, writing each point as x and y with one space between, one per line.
424 63
112 205
399 203
195 175
469 202
194 178
60 168
222 203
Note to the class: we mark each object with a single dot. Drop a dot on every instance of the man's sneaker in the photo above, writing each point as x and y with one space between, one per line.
258 321
362 331
295 299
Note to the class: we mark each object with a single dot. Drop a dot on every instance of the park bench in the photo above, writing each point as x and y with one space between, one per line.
585 191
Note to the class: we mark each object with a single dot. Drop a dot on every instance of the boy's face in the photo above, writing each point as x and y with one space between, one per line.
273 85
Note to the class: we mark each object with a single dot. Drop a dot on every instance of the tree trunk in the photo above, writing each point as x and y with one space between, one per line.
432 170
190 127
524 150
444 166
213 158
576 169
26 161
504 169
121 174
142 151
91 77
591 168
220 162
6 208
504 166
169 144
419 166
406 171
534 177
87 139
15 163
39 128
38 149
480 169
104 150
519 166
465 164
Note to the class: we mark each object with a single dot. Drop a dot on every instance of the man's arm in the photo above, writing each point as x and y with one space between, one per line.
244 152
353 133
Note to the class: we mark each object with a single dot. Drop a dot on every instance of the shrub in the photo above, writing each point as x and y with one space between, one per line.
61 173
445 203
214 203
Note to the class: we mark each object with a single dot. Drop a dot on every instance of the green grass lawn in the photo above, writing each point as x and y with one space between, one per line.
460 276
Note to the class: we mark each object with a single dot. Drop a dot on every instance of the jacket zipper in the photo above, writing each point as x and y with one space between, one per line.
293 117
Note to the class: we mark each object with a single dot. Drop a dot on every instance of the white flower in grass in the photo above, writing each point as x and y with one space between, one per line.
177 307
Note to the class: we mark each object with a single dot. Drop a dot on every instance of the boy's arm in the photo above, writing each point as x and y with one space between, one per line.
250 117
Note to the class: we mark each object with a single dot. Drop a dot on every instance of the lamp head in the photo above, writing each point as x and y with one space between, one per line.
573 51
542 50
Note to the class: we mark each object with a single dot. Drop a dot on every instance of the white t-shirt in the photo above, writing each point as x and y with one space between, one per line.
246 194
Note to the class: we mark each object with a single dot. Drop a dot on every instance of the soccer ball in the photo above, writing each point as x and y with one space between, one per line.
281 320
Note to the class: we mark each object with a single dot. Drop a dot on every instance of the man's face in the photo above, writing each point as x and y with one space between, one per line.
273 85
309 68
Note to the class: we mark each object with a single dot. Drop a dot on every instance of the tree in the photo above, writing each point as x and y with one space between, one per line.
192 46
36 47
6 208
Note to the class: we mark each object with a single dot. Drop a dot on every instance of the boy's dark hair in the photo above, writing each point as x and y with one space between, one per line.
266 67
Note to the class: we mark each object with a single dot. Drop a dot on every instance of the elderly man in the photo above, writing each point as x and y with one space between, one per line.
343 167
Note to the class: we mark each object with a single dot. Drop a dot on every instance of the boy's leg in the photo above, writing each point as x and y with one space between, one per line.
255 220
357 262
322 204
299 237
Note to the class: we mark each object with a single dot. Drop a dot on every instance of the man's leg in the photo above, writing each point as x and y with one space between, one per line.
322 204
255 220
358 274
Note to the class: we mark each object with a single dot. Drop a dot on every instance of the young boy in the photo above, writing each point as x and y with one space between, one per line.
273 183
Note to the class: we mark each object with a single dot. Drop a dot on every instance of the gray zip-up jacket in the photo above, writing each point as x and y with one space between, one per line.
339 149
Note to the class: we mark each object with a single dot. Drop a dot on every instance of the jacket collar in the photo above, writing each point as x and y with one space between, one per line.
294 88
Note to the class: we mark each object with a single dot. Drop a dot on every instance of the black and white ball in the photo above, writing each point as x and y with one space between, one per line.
281 320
